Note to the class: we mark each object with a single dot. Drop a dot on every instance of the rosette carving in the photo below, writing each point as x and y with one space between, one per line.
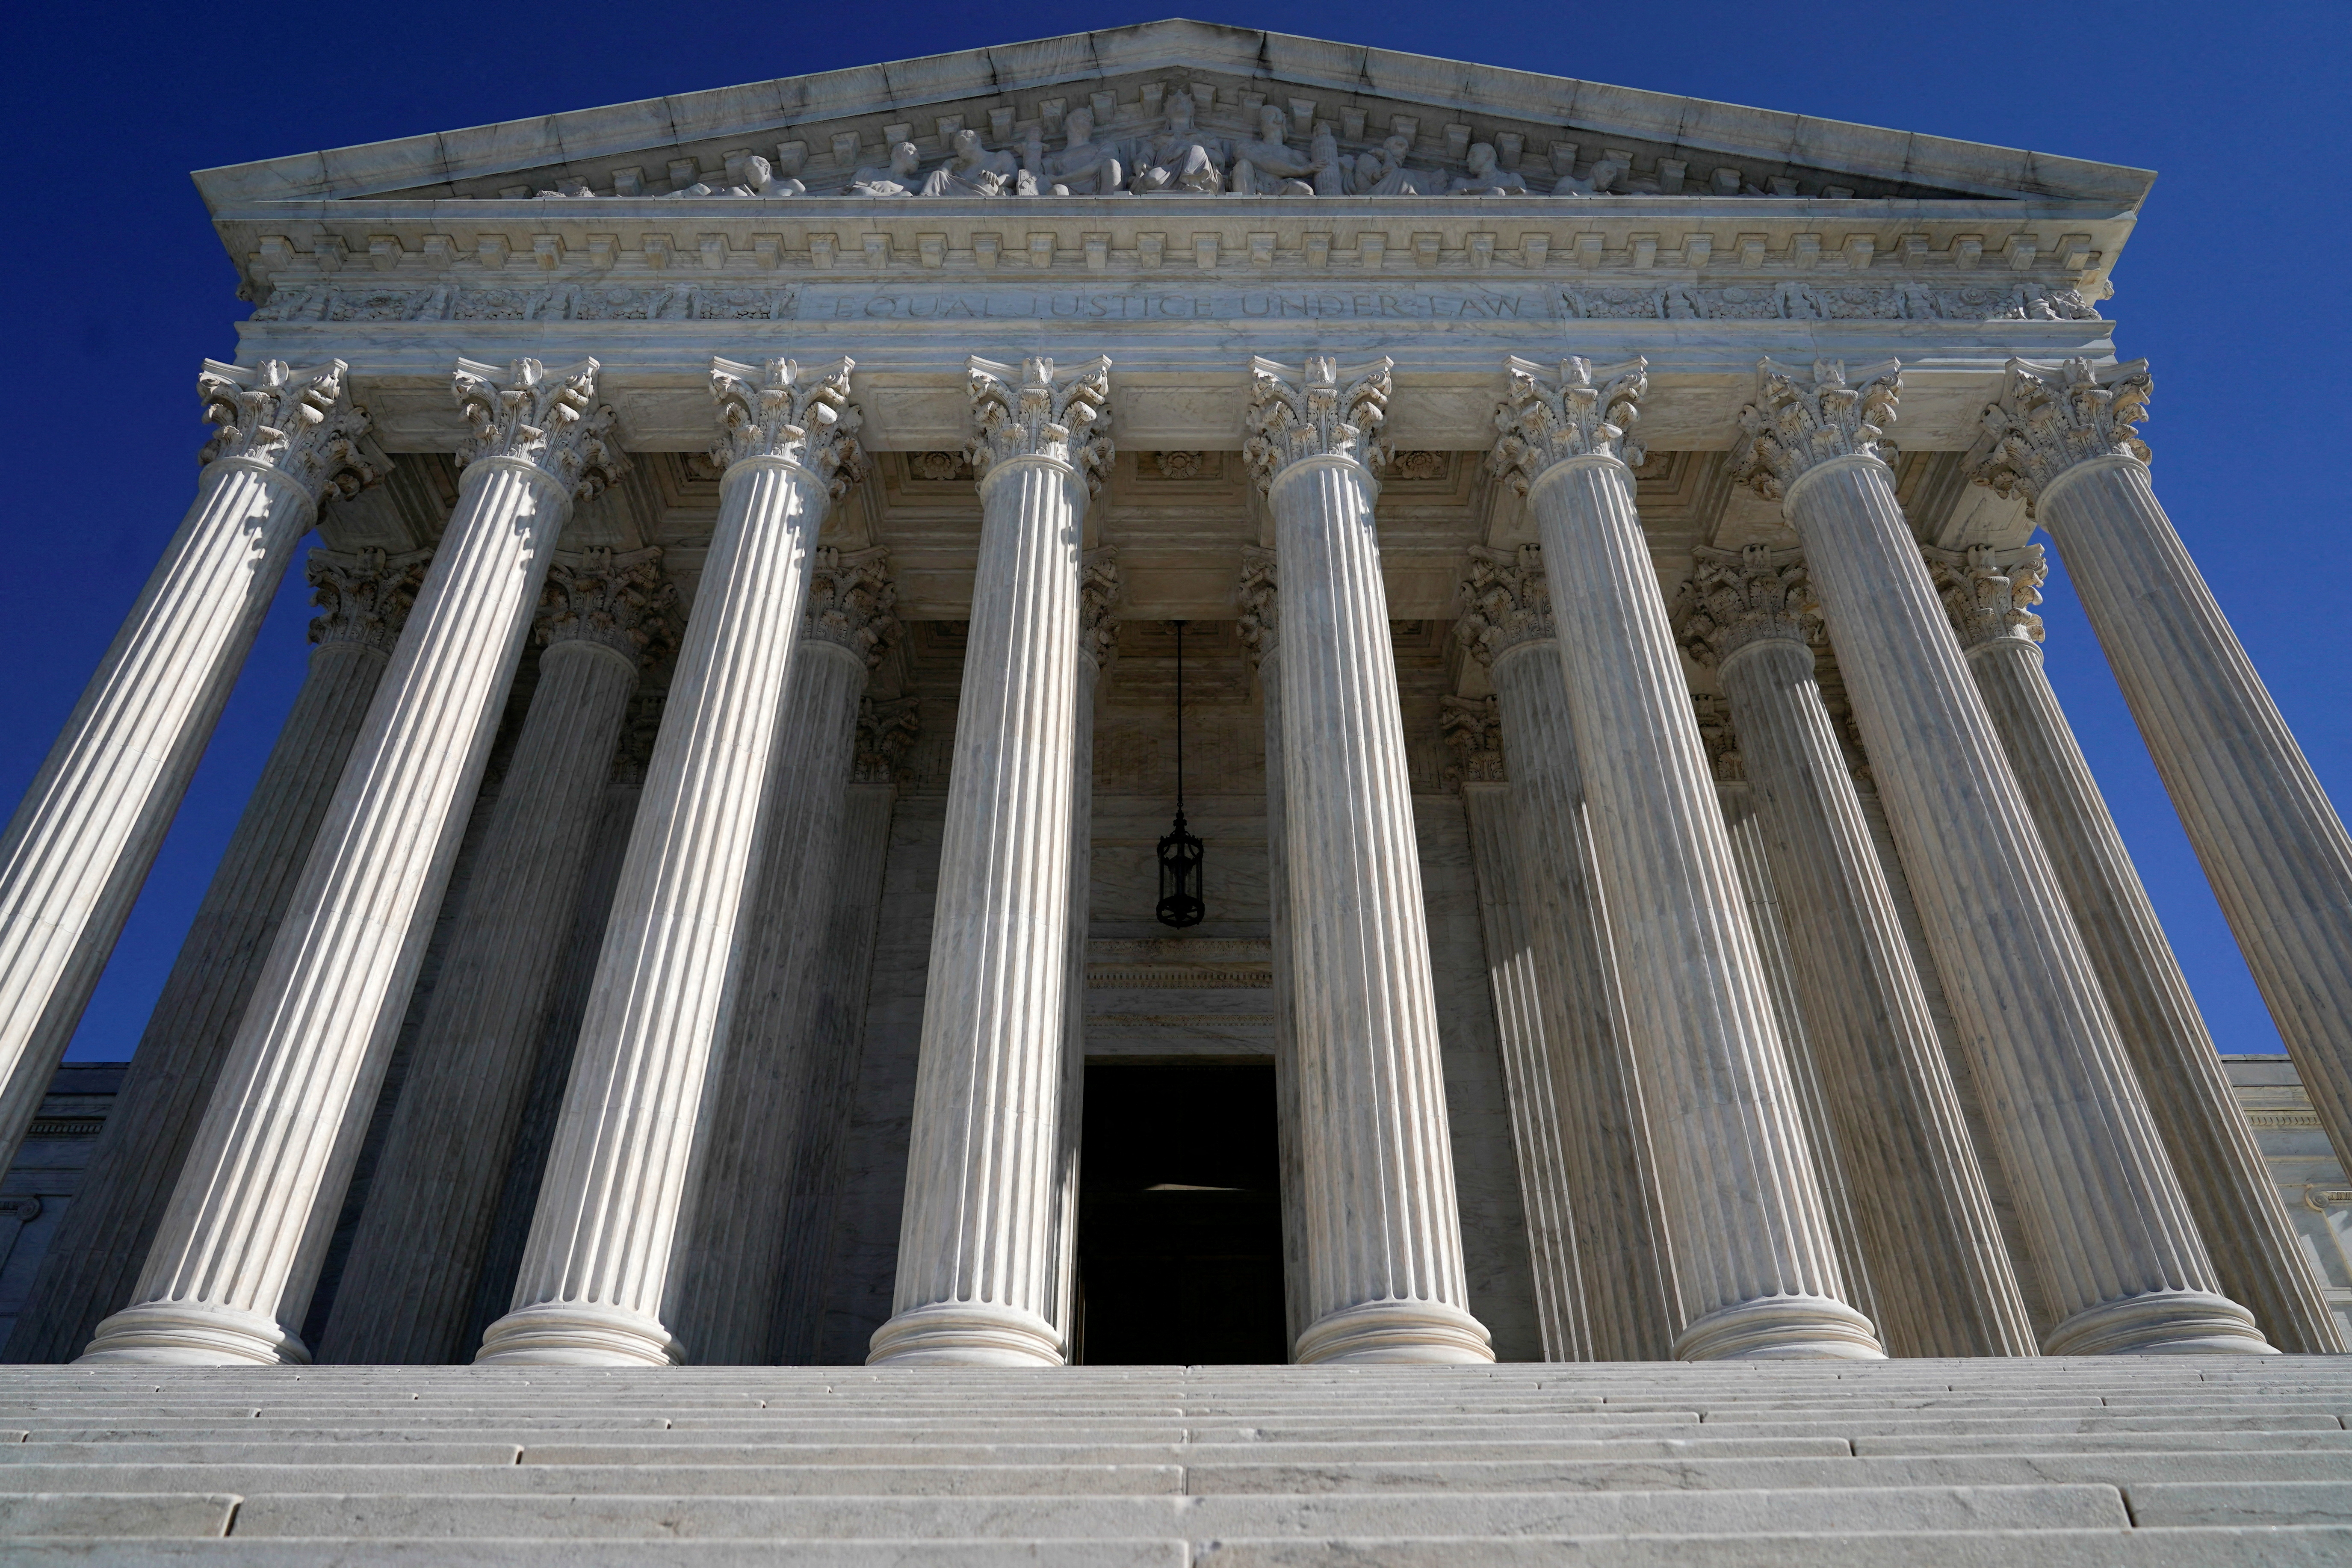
546 418
2052 417
1735 597
1584 413
1032 412
1990 593
1799 421
300 423
781 410
1506 601
1319 410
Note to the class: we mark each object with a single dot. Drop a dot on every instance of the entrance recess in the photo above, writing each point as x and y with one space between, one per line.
1180 1218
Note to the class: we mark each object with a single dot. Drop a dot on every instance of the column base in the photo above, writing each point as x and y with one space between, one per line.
1428 1334
578 1334
965 1333
193 1334
2162 1322
1782 1328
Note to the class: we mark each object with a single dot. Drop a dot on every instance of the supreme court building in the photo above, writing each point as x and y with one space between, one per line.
1178 694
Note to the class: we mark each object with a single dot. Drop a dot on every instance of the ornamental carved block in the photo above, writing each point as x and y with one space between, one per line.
546 418
1721 741
1472 728
1259 602
364 597
1583 412
301 422
1799 421
781 410
886 728
619 600
851 602
1506 601
1098 590
1030 412
1990 593
1735 597
1318 410
2052 417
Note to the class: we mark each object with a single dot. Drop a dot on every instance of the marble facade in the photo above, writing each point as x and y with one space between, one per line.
716 832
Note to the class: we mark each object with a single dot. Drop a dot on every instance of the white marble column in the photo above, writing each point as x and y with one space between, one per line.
1989 594
1385 1278
2105 1220
836 1036
602 1266
728 1305
407 1292
1627 1282
1752 1250
1099 589
2269 840
230 1275
978 1249
1258 602
93 1261
79 848
1941 1276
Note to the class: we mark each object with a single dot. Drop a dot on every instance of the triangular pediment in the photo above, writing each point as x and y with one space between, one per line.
823 129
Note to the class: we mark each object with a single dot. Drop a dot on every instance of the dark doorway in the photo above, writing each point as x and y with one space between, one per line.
1180 1218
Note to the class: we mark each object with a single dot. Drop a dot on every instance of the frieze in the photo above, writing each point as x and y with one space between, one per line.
554 302
1815 302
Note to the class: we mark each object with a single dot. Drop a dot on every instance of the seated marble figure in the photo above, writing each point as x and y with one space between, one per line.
972 171
897 180
1266 166
1180 161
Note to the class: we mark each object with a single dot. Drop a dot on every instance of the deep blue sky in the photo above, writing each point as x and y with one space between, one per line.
2235 286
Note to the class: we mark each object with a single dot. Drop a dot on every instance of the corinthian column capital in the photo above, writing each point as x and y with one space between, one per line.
2051 417
299 425
1990 593
1585 413
1032 412
1736 597
1800 421
886 728
1319 410
1506 602
1724 759
781 411
547 420
1098 590
1473 727
851 602
616 600
364 597
1259 600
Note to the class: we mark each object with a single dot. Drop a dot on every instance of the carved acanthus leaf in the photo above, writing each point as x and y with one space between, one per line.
1098 590
1583 412
1990 593
851 602
1506 600
1799 421
364 597
1032 412
619 600
781 410
2050 417
1318 410
1735 597
298 422
886 728
543 417
1473 727
1259 602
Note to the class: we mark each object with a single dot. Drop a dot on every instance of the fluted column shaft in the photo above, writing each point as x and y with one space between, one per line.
1942 1276
728 1308
408 1283
2262 826
1627 1269
2221 1171
603 1263
231 1272
2104 1215
93 1261
977 1243
80 842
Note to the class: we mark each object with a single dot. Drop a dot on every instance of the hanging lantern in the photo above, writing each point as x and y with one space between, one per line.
1180 852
